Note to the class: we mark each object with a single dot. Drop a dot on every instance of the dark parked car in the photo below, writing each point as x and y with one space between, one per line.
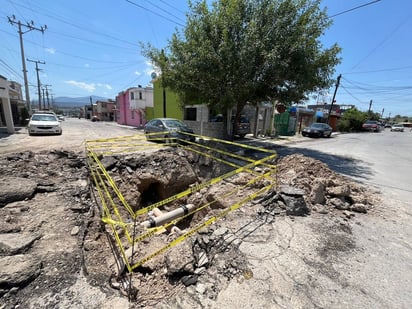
167 129
372 125
318 129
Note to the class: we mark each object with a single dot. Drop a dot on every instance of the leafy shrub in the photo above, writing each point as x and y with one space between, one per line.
352 120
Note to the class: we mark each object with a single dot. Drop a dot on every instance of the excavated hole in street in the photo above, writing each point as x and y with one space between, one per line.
145 179
150 195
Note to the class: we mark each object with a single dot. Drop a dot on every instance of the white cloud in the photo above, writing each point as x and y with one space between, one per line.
50 50
87 65
137 73
85 86
89 87
107 86
150 68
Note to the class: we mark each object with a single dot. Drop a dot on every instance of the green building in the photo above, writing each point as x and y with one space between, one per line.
165 103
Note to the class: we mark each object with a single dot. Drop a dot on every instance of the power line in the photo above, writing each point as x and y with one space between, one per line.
163 10
155 13
386 94
381 43
87 40
355 8
53 15
10 69
347 91
380 70
171 6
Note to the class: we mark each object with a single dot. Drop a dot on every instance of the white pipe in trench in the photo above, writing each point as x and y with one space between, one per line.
163 218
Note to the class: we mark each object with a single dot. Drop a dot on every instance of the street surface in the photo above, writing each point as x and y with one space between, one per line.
380 159
383 269
299 262
75 133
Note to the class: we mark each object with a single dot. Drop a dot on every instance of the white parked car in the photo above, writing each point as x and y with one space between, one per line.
44 124
397 127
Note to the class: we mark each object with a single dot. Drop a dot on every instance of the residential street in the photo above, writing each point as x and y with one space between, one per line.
382 268
379 159
323 260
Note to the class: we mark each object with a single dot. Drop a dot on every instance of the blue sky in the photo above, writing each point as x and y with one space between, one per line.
91 47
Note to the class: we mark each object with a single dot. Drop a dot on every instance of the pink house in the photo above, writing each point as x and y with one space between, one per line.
133 104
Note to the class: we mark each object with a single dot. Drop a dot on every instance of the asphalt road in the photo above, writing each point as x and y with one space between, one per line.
75 133
383 269
382 159
379 273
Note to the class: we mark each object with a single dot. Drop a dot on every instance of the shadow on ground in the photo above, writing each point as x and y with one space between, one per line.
4 133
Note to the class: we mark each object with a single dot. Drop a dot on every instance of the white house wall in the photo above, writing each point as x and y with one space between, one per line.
146 98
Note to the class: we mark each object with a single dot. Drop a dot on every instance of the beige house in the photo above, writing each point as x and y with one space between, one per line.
12 106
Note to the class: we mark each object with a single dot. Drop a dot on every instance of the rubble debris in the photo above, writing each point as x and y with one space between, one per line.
15 189
305 186
294 202
14 243
324 189
17 271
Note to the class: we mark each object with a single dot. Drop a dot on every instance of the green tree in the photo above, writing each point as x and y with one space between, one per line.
352 120
236 52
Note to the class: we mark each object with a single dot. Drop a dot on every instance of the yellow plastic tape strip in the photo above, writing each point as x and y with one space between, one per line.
154 230
206 223
202 185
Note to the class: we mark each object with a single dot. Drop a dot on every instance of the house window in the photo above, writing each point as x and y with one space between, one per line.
131 95
140 96
190 113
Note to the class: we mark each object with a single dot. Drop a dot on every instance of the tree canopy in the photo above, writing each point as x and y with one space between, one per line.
235 52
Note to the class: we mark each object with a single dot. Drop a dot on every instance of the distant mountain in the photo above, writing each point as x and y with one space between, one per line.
76 102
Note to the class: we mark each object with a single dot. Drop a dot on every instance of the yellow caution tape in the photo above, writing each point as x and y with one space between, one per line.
197 228
105 184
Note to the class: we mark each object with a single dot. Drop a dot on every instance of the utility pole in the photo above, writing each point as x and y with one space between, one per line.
29 26
163 85
44 100
52 99
38 78
47 95
334 95
370 106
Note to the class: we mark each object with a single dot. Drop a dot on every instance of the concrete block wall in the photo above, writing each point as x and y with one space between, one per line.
211 129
